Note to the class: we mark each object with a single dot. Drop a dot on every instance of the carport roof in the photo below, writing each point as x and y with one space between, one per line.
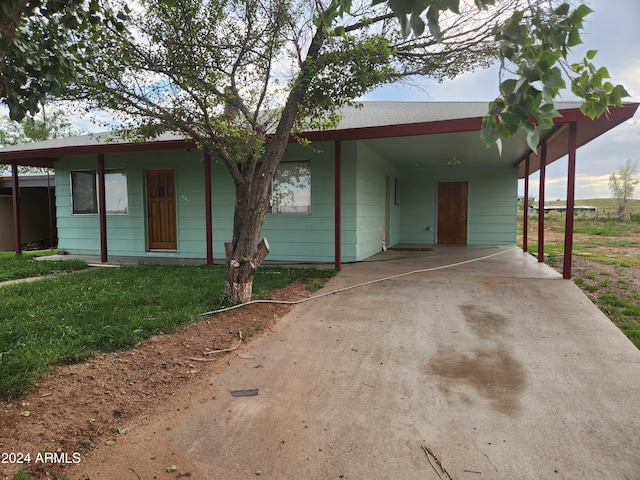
406 133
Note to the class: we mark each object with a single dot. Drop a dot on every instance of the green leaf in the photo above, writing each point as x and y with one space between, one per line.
405 27
574 38
402 7
621 91
509 86
591 54
417 25
489 132
533 137
563 10
580 13
433 20
555 80
453 5
339 31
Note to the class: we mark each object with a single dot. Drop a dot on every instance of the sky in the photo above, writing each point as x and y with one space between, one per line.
615 33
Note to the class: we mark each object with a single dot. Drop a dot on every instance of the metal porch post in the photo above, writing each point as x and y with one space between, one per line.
207 205
571 193
338 204
52 213
525 218
102 209
15 195
543 169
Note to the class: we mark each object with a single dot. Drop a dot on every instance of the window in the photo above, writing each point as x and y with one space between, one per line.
115 184
83 188
291 188
84 192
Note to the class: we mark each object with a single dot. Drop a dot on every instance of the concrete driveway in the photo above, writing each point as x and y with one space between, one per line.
495 369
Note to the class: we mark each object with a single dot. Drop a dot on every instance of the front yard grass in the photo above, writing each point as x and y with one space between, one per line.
68 318
14 266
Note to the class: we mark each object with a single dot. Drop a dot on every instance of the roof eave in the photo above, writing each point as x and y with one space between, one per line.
24 157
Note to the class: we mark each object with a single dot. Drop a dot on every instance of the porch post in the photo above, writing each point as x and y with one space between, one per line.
207 207
543 169
15 195
51 211
338 204
102 209
571 192
525 218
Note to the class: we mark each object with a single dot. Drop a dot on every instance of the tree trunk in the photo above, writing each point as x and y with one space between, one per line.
244 254
252 181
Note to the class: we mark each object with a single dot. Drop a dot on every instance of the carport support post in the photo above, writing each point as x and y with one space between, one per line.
525 218
338 204
102 209
207 208
571 193
51 212
15 188
543 169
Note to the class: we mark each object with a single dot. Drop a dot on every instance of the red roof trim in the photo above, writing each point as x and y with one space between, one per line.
402 130
8 157
616 115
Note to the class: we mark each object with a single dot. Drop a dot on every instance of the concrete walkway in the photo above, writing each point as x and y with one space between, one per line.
498 369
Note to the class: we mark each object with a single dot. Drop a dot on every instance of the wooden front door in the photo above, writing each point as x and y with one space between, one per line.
161 210
452 212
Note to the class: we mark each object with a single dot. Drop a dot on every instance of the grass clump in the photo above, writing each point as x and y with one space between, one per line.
21 474
14 266
69 318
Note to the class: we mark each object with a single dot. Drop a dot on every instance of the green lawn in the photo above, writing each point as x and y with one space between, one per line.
68 318
14 266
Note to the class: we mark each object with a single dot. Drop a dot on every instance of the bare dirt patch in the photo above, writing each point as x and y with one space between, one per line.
77 407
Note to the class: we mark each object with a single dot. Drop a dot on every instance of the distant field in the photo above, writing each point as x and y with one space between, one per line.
604 205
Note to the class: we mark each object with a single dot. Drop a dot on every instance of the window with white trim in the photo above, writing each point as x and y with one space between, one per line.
291 189
84 192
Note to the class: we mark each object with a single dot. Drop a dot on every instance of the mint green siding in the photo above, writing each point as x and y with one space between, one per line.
493 207
126 234
491 203
372 175
308 237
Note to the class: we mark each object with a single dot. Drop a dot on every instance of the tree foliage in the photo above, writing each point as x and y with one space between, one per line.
45 125
44 44
622 185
